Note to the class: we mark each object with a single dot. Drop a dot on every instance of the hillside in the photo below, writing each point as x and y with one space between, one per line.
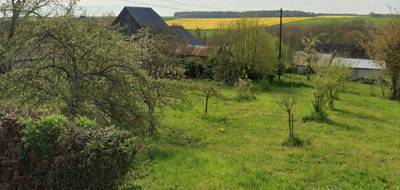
239 145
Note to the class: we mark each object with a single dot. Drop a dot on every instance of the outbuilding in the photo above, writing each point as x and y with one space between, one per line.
362 68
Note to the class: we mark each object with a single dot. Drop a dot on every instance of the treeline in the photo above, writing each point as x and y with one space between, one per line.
336 33
232 14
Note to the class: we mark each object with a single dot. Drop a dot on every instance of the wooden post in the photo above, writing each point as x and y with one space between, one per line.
280 66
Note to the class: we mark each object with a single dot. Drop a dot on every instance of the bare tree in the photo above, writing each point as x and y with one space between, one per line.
18 9
385 46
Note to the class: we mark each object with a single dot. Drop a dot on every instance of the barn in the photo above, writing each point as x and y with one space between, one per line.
132 19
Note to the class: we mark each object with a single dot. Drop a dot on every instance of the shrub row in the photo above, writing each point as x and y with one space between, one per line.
53 153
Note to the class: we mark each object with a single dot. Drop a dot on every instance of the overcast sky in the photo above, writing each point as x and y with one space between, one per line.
168 7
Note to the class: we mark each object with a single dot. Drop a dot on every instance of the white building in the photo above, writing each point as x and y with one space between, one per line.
362 68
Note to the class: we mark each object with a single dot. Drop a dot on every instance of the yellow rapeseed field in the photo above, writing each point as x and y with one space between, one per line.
215 23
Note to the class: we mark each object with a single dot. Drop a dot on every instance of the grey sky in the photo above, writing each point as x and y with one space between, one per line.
168 7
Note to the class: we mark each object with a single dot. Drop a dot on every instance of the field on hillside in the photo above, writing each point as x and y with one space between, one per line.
332 20
215 23
239 144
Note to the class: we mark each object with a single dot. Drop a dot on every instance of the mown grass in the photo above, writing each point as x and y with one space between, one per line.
239 144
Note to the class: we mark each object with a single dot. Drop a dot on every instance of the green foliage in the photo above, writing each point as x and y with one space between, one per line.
265 85
244 89
98 160
208 90
156 56
320 107
85 122
57 154
43 136
98 75
243 51
384 45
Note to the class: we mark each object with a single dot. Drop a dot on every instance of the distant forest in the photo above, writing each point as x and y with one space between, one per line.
253 14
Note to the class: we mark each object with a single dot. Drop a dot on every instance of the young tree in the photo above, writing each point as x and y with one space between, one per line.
333 79
329 82
207 91
288 104
385 46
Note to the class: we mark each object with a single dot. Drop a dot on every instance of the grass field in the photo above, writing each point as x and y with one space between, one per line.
239 145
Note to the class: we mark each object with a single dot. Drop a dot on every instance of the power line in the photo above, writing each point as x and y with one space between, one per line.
154 5
191 4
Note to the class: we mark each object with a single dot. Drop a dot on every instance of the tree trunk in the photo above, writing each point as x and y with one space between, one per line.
290 126
382 87
14 21
206 106
395 88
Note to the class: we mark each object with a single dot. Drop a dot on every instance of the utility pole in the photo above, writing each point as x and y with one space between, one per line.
280 64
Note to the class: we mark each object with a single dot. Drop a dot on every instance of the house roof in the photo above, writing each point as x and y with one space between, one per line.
350 50
146 17
193 50
185 36
323 58
359 63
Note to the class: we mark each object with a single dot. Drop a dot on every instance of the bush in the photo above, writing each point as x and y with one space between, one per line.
42 137
320 105
53 153
94 159
265 85
244 89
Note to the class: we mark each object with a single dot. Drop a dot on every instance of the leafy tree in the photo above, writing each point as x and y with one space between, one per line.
333 79
208 90
385 46
95 75
246 49
157 56
309 53
329 82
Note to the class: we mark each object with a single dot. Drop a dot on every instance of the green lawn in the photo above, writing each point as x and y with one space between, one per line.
239 145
